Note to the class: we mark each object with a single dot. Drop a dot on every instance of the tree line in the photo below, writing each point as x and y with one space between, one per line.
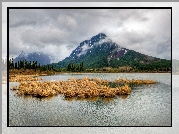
159 66
164 66
36 66
75 67
29 65
23 64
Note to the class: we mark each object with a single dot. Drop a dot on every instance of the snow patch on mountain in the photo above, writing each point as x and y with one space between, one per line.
84 49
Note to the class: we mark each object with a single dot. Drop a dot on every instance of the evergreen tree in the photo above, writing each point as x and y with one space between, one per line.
16 65
81 66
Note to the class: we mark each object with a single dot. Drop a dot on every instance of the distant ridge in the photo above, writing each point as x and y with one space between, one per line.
41 58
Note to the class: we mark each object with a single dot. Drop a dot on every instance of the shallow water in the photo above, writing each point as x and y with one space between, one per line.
146 106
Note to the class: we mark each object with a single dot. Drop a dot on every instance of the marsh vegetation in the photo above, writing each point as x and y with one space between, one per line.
80 88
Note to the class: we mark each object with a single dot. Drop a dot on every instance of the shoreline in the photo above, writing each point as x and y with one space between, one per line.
48 73
34 76
31 71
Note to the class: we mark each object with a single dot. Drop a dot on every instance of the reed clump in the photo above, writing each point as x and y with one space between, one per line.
20 78
134 82
80 88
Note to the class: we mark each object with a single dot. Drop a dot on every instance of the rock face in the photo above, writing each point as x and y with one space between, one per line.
100 51
41 58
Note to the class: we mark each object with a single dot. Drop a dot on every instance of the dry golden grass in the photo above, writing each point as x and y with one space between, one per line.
73 88
134 82
80 88
20 78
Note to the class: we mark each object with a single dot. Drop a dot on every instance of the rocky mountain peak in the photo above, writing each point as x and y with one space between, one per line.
100 51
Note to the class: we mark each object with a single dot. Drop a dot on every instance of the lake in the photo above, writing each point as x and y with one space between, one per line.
147 105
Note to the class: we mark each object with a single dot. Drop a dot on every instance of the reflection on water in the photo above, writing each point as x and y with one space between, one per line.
107 99
124 97
148 105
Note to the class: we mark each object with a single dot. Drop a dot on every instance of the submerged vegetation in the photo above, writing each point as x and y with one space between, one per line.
134 82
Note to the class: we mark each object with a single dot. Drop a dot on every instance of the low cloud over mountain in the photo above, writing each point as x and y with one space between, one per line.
58 32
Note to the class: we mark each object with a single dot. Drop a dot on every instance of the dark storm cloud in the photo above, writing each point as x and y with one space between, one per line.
59 31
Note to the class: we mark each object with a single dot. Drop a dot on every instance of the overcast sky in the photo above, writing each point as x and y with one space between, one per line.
59 31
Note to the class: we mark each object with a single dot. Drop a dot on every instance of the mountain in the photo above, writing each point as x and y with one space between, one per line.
41 58
100 51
